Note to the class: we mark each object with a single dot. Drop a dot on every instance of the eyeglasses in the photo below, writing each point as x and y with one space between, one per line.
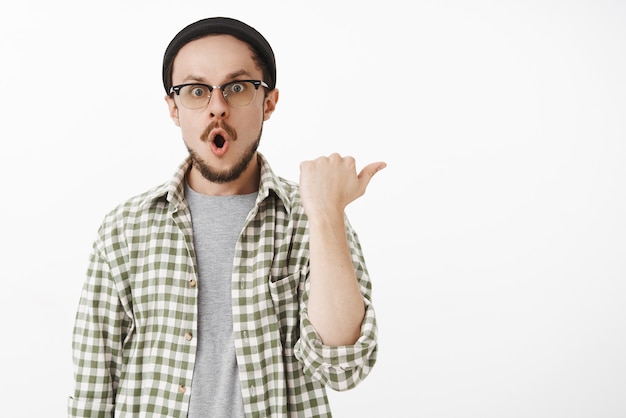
237 93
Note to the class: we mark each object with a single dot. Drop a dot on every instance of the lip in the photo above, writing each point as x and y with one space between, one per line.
219 151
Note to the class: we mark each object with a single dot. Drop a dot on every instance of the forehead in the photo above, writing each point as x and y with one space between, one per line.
214 58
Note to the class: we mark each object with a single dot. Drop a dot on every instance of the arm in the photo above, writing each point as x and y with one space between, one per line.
327 185
97 340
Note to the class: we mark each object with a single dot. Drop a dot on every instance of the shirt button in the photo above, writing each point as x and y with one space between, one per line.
188 336
252 390
182 389
242 284
245 334
192 283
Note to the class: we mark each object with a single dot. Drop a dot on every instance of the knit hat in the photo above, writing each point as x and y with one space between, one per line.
219 25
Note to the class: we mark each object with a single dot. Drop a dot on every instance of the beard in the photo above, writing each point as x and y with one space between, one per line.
228 175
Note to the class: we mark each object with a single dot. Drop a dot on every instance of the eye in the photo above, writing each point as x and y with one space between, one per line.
198 91
237 87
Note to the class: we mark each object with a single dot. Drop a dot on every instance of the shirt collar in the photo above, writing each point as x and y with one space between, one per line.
174 191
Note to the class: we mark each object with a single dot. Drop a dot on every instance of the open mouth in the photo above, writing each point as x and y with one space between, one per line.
219 141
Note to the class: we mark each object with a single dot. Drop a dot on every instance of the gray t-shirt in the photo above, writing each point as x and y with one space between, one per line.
217 223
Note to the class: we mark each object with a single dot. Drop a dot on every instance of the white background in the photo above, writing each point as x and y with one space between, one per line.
496 236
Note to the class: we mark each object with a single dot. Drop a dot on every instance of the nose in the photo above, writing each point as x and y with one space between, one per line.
217 104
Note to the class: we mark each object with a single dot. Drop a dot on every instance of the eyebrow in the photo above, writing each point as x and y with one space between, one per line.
229 77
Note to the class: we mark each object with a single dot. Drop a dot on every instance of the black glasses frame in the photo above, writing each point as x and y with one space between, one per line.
256 83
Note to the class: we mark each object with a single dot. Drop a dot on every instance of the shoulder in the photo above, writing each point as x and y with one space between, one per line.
156 201
287 191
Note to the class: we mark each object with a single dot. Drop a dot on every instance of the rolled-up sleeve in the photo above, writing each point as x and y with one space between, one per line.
339 367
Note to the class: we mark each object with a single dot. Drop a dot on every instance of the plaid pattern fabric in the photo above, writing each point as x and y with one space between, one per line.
134 336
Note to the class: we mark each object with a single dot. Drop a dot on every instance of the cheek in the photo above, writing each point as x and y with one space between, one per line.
191 126
248 121
253 122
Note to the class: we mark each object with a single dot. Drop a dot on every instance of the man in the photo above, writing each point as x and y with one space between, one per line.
228 291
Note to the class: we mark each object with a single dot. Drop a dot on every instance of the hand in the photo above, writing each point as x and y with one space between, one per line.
331 183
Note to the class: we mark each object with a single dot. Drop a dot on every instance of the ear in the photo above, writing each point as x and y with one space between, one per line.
269 104
171 104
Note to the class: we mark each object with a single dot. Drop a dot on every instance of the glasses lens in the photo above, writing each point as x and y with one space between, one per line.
195 96
239 93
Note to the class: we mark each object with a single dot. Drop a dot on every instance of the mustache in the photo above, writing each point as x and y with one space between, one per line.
232 134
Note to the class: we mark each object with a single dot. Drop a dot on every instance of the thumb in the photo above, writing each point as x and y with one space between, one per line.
368 172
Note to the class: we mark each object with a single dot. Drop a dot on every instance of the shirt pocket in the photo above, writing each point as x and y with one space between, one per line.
285 294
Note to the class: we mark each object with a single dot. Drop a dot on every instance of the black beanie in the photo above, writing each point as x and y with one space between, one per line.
219 25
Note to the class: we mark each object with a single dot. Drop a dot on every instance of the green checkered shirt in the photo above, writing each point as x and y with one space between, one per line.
134 339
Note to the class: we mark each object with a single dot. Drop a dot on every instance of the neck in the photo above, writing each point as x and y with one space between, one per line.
246 183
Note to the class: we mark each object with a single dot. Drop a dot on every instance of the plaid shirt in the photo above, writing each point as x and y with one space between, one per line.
135 333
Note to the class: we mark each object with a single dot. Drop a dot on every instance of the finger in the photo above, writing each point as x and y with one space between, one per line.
368 172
